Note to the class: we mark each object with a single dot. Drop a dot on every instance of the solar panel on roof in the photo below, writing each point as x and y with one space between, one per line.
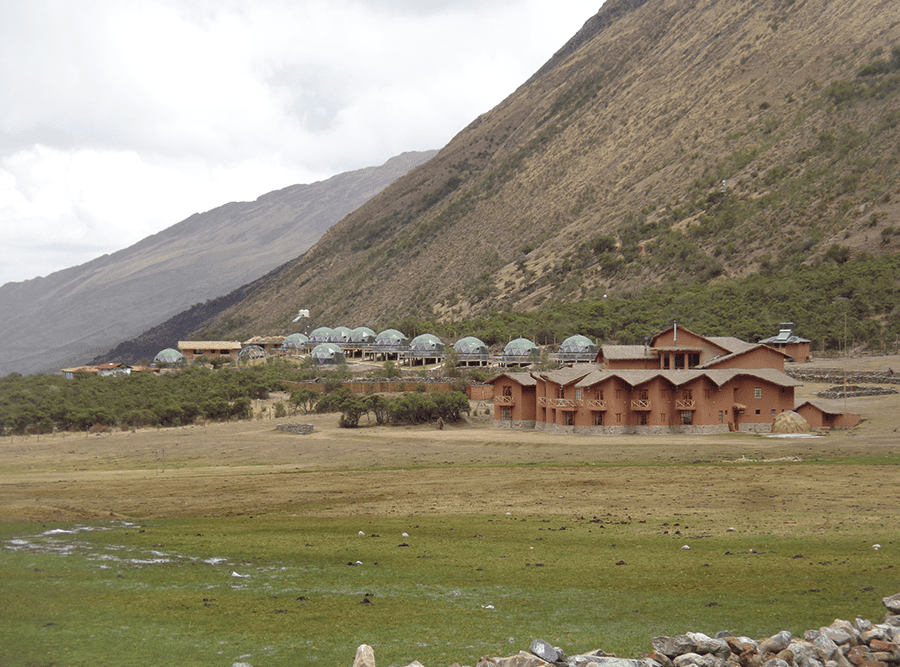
783 336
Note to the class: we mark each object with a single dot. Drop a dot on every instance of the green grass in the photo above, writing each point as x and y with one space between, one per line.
302 603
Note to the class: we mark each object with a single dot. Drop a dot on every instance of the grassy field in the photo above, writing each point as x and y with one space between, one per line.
237 542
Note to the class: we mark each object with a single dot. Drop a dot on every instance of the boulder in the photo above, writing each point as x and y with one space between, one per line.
365 656
522 659
544 651
674 646
892 602
776 643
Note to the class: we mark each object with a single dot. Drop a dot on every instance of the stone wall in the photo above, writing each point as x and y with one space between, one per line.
859 643
300 429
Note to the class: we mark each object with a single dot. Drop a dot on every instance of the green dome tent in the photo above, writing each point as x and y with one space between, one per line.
577 348
327 353
168 356
521 351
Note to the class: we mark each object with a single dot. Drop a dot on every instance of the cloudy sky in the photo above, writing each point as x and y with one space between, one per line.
120 118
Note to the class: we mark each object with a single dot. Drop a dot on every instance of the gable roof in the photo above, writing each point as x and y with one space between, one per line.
523 378
569 374
681 377
620 352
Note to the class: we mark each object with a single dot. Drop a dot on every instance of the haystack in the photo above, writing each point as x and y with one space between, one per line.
790 422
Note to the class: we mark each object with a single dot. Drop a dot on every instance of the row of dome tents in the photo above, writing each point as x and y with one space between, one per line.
329 346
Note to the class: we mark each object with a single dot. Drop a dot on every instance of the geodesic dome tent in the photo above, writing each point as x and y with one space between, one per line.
249 352
327 353
362 336
390 340
340 335
426 345
521 351
168 356
320 335
296 341
577 348
470 349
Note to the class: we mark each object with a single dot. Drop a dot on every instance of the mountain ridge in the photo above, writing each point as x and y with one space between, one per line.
668 140
78 313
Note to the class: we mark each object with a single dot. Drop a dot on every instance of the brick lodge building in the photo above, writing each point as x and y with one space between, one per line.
680 382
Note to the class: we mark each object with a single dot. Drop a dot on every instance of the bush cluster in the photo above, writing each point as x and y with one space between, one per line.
411 408
43 403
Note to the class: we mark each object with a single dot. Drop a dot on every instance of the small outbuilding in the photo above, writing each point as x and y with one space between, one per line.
327 353
824 415
795 347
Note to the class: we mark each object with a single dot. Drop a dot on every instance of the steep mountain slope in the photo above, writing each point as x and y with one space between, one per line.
668 140
75 314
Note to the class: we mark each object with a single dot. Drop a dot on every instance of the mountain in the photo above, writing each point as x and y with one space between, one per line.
668 140
75 314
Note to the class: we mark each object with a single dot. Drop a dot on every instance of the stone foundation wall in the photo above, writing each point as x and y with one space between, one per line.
514 423
299 429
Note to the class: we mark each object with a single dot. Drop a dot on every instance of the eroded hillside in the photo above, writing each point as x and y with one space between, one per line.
670 139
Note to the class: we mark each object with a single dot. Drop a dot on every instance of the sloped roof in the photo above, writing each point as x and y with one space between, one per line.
620 352
209 345
680 377
746 347
523 378
732 344
824 406
569 374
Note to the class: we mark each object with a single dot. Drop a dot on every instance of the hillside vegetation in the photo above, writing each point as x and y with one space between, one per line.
672 148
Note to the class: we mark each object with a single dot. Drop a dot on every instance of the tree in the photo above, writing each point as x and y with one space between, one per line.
305 400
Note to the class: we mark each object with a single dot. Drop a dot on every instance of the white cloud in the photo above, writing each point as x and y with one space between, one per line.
121 119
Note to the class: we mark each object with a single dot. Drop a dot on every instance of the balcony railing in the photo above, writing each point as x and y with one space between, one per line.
640 404
685 404
504 400
596 403
558 402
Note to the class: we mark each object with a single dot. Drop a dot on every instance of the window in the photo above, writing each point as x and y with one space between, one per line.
618 417
577 393
567 418
642 419
618 393
757 412
757 392
773 411
688 394
662 418
721 420
598 419
687 417
507 391
559 392
506 414
600 394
